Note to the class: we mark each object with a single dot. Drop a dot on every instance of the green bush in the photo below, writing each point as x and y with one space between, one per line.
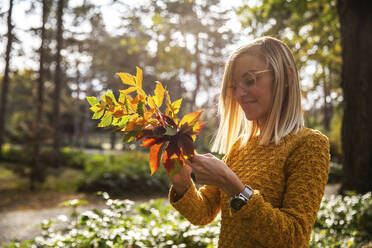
343 221
122 224
122 173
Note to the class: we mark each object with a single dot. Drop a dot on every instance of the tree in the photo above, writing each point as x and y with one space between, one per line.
57 80
36 170
5 83
356 39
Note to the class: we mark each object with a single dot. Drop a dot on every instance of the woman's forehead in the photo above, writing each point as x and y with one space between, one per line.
247 63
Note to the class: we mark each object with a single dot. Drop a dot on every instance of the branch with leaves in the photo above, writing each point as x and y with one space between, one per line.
171 141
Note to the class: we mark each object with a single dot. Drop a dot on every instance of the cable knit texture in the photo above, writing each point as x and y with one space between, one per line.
288 181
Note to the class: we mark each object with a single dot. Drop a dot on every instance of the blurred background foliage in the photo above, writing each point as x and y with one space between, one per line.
184 44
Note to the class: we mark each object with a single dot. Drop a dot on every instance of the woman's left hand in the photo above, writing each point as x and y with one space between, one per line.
211 171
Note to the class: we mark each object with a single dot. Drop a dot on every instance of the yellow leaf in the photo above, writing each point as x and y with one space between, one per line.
140 92
191 118
97 108
176 106
139 77
128 91
159 94
151 102
148 114
131 123
126 78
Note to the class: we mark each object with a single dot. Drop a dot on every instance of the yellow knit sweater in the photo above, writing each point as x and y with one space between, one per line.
288 181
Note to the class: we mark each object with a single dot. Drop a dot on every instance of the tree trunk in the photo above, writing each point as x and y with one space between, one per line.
197 73
113 140
5 83
356 81
57 89
327 107
78 114
36 167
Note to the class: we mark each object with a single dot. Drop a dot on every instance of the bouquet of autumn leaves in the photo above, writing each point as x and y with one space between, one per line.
170 141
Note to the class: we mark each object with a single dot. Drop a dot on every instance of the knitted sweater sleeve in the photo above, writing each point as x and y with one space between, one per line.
291 224
200 207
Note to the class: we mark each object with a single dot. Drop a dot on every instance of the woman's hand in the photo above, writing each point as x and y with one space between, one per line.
182 180
211 171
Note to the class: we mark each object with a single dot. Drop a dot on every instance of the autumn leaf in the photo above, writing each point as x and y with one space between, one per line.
139 77
186 145
126 78
156 153
127 91
92 100
198 127
159 94
191 118
97 108
151 102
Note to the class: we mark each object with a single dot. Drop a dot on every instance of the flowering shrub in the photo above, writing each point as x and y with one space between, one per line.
122 224
342 222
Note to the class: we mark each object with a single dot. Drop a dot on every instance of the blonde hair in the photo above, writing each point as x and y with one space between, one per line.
286 112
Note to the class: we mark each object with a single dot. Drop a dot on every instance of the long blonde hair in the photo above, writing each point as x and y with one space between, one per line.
286 112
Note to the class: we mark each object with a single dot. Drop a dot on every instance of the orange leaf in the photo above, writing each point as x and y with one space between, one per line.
198 127
191 118
148 142
131 123
118 113
154 161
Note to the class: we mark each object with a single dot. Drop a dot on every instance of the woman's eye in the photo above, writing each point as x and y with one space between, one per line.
249 82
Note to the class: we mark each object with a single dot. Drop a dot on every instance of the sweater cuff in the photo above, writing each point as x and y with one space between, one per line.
249 208
180 203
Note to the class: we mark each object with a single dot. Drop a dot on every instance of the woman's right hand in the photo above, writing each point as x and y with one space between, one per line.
182 180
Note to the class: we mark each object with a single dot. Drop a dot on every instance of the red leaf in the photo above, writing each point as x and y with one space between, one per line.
186 145
172 152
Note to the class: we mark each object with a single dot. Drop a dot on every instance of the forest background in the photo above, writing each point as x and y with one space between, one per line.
54 53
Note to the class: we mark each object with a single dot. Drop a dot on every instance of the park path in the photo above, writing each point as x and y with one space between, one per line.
25 224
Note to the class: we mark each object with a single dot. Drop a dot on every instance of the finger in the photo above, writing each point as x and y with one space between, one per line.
209 155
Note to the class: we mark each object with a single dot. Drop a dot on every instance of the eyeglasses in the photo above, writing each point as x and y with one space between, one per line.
249 79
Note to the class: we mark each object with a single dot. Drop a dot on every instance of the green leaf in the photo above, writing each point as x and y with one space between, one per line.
106 121
129 136
177 167
92 100
170 131
140 108
98 115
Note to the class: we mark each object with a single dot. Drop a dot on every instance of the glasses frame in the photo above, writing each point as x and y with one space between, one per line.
240 85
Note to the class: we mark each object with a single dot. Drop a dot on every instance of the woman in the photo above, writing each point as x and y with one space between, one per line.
270 183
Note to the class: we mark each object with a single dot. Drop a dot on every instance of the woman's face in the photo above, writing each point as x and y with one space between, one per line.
253 87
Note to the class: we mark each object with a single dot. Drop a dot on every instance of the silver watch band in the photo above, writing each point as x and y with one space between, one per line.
246 193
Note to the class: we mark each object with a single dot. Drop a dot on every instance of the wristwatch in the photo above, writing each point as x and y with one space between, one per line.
239 200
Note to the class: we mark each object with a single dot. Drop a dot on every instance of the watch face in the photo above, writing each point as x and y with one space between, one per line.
237 203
